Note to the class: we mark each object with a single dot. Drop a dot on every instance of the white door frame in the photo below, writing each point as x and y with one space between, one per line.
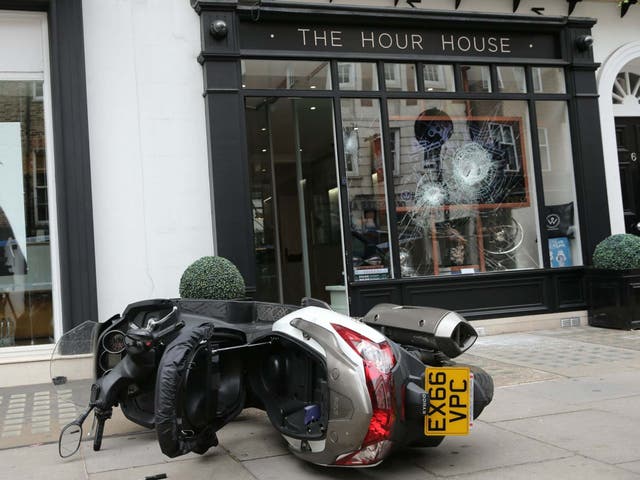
606 78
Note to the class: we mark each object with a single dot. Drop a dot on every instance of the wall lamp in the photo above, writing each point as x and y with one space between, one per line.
584 42
218 29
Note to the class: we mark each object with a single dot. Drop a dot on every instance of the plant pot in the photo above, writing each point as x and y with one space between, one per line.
614 298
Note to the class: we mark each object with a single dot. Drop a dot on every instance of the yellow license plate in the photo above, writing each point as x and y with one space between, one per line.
450 392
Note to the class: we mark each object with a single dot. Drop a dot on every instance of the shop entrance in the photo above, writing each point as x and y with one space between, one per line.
628 140
294 197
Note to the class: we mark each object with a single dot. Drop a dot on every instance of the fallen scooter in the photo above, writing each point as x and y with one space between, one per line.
340 391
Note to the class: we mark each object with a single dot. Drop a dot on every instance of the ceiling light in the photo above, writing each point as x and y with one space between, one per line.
264 150
312 108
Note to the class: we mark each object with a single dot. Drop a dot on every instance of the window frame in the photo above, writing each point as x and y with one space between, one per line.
383 94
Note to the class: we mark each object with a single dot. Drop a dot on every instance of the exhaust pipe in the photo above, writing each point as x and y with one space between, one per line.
423 327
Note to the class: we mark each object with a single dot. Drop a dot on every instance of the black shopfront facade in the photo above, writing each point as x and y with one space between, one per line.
420 158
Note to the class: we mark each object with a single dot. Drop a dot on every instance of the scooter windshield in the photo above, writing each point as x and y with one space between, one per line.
72 364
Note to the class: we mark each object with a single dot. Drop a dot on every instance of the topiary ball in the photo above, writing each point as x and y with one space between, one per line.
618 252
213 278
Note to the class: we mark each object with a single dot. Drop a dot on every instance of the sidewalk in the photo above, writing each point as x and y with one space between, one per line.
566 407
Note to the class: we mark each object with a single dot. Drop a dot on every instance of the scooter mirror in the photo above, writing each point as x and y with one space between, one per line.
70 438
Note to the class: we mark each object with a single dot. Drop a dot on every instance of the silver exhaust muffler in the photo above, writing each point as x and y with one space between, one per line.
423 327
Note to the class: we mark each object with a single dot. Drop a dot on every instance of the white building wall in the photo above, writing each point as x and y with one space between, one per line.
148 146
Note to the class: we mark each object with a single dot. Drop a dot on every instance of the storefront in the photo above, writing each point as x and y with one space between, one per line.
461 154
414 157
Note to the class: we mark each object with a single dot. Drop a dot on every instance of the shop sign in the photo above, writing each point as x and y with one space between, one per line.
362 40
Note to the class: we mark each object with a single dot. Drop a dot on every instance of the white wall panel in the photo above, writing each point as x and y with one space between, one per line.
147 131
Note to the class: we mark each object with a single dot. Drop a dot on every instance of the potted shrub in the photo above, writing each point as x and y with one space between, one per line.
614 283
212 278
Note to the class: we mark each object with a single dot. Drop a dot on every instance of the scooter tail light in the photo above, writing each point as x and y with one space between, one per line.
378 360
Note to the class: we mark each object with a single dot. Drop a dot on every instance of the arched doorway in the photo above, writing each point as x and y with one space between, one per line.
619 89
626 108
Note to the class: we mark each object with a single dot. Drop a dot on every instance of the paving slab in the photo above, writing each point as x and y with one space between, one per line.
626 407
214 467
628 339
38 462
398 467
505 374
510 403
557 354
584 390
572 468
132 451
487 447
603 436
252 436
631 467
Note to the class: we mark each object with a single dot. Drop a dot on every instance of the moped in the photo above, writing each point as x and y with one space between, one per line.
341 391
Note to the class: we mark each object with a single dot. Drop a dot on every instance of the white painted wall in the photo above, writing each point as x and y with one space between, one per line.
148 146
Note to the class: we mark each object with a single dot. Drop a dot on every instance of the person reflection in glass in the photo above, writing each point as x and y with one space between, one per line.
12 261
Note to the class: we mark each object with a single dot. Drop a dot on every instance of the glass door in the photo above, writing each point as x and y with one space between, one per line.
294 198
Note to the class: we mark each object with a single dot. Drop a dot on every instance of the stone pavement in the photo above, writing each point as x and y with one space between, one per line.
566 406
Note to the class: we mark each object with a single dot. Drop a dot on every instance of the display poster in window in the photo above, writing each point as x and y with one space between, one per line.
560 252
13 239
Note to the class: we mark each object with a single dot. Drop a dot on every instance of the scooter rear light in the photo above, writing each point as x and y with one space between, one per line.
378 360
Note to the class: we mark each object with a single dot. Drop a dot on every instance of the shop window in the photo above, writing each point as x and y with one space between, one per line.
560 208
465 197
438 78
26 310
400 77
548 80
286 74
358 76
476 78
511 80
367 199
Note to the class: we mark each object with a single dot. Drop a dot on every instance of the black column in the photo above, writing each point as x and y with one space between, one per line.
73 172
587 140
230 192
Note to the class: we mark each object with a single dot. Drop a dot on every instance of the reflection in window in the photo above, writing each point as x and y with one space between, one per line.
438 78
560 212
465 201
548 80
286 74
476 78
367 207
511 80
400 77
26 310
361 76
